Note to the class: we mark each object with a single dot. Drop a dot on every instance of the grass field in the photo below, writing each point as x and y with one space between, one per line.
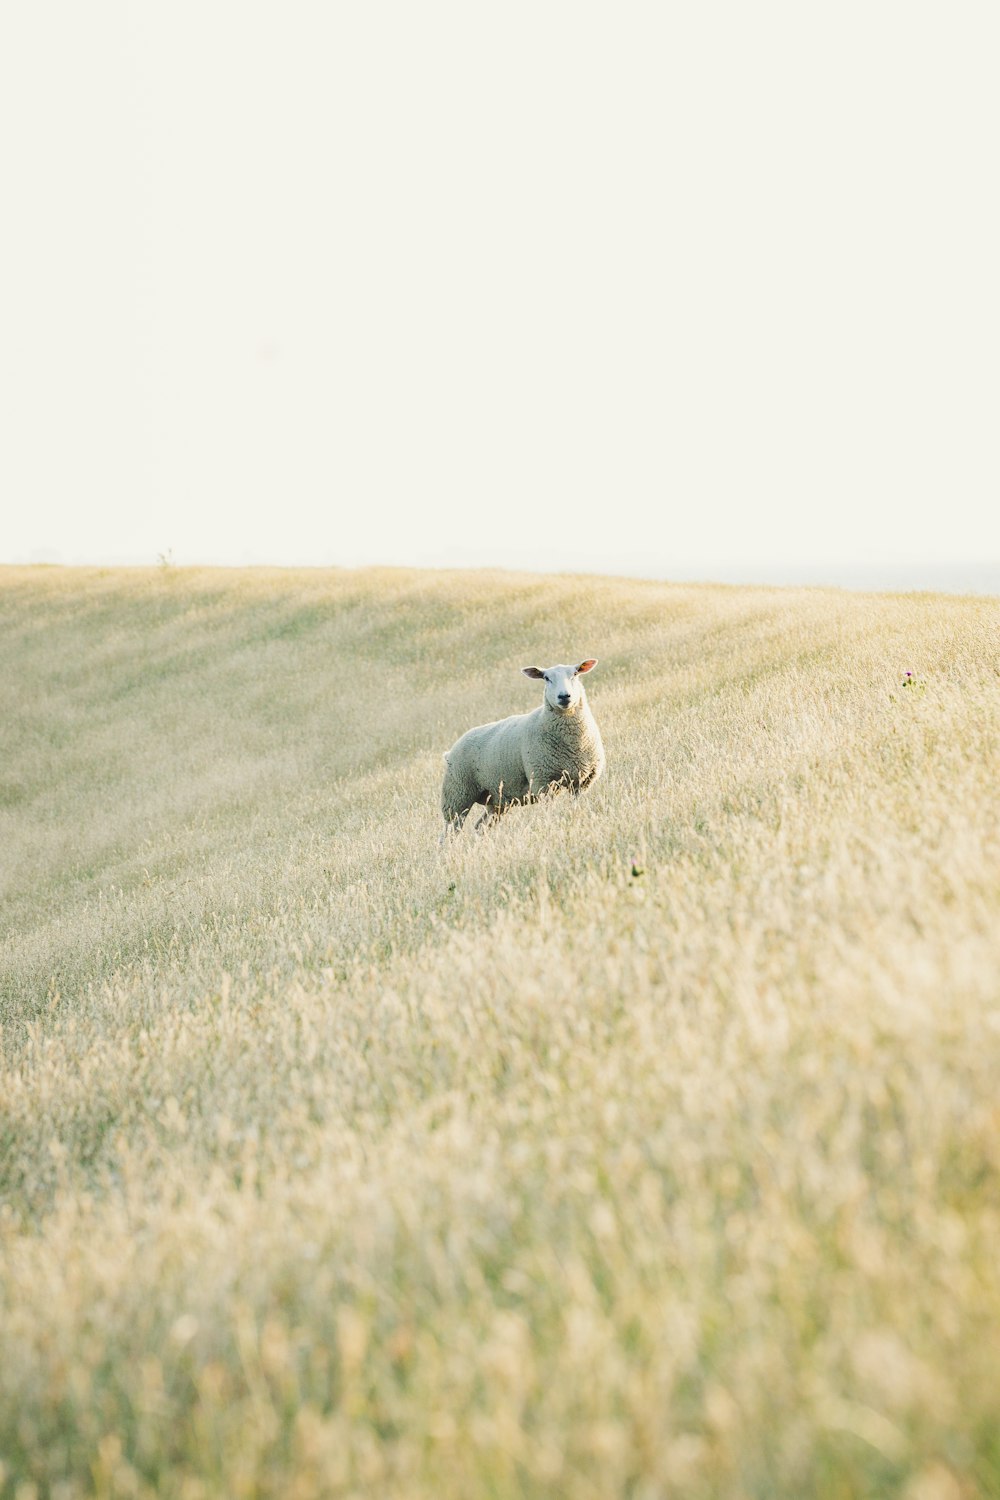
647 1147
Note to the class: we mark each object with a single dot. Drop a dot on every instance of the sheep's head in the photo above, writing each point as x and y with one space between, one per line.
563 688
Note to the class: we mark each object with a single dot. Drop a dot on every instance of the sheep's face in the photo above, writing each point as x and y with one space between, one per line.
563 688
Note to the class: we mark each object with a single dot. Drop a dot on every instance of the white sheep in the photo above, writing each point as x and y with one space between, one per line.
518 759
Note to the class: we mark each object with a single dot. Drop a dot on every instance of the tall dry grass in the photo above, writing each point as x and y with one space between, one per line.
649 1146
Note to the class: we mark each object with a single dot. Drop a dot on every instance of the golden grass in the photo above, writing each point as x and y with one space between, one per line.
332 1165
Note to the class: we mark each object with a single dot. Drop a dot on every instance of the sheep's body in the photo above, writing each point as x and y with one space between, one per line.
519 759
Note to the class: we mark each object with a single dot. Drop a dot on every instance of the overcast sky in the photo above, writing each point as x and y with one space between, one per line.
632 287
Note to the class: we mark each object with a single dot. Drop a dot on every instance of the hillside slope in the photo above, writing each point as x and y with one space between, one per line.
646 1146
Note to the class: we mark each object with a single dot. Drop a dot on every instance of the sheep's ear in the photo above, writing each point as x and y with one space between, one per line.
532 671
587 666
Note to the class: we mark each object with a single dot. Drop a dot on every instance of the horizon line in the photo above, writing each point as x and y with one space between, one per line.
963 578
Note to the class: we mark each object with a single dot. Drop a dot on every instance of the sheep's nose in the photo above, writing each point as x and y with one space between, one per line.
564 699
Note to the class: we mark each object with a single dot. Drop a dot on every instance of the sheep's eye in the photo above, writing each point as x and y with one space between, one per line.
546 676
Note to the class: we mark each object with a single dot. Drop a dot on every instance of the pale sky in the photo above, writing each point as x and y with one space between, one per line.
641 287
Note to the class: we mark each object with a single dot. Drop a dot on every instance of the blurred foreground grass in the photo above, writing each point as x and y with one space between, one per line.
332 1165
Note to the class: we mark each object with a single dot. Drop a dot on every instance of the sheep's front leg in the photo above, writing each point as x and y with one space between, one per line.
490 818
453 821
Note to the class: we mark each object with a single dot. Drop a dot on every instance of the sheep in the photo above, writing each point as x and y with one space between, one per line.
519 759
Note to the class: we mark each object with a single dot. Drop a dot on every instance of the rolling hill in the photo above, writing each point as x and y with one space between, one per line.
647 1146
